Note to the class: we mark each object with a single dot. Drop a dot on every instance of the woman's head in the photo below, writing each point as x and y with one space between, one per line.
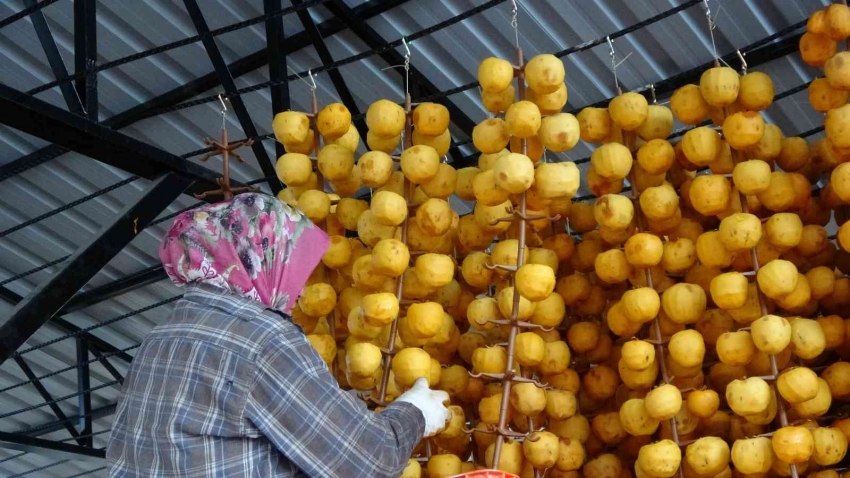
253 246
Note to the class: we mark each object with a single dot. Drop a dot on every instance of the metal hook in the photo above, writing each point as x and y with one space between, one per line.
223 111
406 47
614 63
652 92
743 62
312 79
223 106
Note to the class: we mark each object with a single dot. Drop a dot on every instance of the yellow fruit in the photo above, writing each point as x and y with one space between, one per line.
338 253
291 127
748 397
541 449
687 348
629 110
719 86
362 359
793 444
751 177
431 119
743 130
729 290
709 194
350 140
325 346
641 305
412 470
316 205
498 101
333 121
560 132
557 180
817 406
798 385
376 168
378 143
707 456
688 105
807 338
656 156
441 143
660 459
514 173
528 399
294 169
735 348
611 161
420 163
495 74
771 334
442 185
836 22
491 135
663 402
544 73
529 349
505 300
489 360
658 124
683 303
659 202
824 97
830 445
612 267
635 420
535 282
434 217
816 49
389 208
434 270
390 257
443 466
753 456
701 145
336 162
523 119
385 119
780 194
560 404
614 211
837 124
740 231
637 354
595 124
556 358
777 278
703 403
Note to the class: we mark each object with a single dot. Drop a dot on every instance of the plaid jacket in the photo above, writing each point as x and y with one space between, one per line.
229 389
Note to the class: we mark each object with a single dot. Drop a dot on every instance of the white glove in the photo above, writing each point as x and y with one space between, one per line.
430 403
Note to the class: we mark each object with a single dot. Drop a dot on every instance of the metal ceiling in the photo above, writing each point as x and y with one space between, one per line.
35 178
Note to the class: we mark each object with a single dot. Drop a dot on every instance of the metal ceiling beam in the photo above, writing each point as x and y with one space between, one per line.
48 298
182 93
336 76
45 395
128 283
275 39
97 413
85 54
374 40
83 385
54 58
12 441
226 79
41 119
96 343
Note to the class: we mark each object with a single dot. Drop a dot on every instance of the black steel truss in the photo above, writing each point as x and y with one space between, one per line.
83 385
45 395
13 441
85 54
275 38
49 297
195 87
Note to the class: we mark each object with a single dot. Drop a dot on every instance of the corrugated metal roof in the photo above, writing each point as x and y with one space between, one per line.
449 58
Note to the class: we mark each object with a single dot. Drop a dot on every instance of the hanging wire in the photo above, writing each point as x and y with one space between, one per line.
711 26
223 112
514 23
26 12
743 62
613 55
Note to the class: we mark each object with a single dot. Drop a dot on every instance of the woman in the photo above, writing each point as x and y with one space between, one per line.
230 386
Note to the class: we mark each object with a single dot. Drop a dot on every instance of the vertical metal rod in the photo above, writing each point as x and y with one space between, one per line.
409 189
277 62
629 141
509 367
84 400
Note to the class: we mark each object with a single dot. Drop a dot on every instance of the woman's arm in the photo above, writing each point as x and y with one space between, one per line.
323 430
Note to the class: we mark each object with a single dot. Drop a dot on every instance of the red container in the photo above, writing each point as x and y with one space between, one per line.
486 474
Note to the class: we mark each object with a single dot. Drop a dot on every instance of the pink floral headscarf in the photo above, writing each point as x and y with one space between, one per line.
254 246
